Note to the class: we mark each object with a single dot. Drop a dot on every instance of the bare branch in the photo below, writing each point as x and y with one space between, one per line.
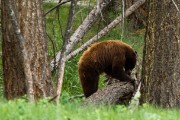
122 25
176 6
84 27
53 46
62 60
59 4
104 31
134 103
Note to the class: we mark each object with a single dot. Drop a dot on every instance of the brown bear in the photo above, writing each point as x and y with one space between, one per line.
112 57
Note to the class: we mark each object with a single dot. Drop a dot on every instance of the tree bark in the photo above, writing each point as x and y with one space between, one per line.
30 22
161 63
22 52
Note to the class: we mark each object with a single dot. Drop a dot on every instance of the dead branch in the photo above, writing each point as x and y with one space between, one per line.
176 6
62 60
82 29
104 31
123 19
59 4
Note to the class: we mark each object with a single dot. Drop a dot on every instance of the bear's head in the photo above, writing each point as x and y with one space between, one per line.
131 58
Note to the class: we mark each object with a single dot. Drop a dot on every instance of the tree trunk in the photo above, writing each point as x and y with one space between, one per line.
30 21
161 63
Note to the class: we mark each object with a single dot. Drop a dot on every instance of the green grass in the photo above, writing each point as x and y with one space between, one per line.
21 110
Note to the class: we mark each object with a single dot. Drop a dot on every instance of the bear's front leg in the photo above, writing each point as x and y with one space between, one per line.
118 71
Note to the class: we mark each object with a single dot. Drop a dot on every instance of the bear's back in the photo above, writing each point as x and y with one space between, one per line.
102 53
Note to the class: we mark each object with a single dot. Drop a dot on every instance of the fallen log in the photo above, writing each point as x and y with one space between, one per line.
115 93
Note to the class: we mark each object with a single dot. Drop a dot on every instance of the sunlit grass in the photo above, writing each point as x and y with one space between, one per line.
21 110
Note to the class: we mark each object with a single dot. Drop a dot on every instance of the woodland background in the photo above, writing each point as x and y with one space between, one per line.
31 38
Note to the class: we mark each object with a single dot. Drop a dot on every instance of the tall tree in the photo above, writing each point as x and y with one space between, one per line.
25 62
161 63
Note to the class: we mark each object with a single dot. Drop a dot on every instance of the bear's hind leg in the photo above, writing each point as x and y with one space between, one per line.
89 82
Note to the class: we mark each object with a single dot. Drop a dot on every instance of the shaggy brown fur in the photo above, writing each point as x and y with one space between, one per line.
115 58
